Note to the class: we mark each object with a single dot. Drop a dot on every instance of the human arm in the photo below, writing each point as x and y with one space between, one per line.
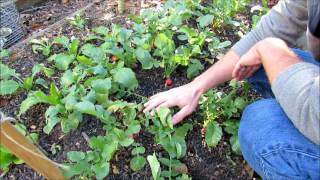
186 97
291 18
287 20
295 83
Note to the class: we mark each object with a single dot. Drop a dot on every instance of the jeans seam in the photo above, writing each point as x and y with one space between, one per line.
313 156
268 175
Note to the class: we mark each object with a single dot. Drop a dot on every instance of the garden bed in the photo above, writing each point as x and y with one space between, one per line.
202 161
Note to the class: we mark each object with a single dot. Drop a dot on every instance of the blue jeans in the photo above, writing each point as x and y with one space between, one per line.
269 141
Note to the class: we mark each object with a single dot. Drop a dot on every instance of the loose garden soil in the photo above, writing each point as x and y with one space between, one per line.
203 162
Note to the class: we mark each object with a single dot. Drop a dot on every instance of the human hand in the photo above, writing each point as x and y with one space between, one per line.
185 97
248 64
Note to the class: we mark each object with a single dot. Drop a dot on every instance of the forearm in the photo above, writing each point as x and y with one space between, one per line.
218 73
275 56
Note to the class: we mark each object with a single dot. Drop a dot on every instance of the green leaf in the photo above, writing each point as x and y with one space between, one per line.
93 52
235 145
224 44
102 170
67 78
63 40
145 59
6 72
109 150
62 61
101 85
27 83
8 87
75 156
27 103
74 46
101 30
165 117
164 43
4 53
137 163
84 60
125 77
138 150
240 103
86 107
231 127
206 20
155 166
72 122
51 119
42 82
194 68
213 134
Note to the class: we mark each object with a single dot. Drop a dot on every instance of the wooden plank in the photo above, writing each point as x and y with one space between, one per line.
20 146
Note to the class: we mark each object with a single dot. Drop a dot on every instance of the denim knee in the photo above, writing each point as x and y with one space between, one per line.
254 119
273 146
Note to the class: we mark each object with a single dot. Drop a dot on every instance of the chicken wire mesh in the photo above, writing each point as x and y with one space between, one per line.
9 18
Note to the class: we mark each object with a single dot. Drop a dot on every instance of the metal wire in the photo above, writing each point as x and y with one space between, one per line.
9 18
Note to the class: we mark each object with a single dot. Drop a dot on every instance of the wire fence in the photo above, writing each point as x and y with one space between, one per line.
9 18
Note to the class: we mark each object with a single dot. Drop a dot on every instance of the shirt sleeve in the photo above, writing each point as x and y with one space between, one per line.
297 89
287 20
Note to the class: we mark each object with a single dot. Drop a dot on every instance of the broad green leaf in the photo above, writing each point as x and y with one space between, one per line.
27 83
93 52
101 30
72 122
139 28
240 103
74 46
6 72
109 150
155 166
85 60
133 128
165 117
31 100
206 20
86 107
62 61
235 145
101 85
138 150
8 87
42 82
75 156
164 43
190 32
125 77
213 134
4 53
145 58
194 68
51 119
62 40
102 170
137 163
231 127
182 131
67 78
224 44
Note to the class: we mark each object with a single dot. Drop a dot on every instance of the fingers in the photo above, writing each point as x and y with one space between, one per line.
184 112
153 103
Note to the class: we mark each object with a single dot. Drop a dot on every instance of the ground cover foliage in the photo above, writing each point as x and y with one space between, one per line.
96 79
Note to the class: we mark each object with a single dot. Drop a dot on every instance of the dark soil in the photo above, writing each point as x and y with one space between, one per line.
46 13
203 162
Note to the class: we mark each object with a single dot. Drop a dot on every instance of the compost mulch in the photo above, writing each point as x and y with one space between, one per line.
202 162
